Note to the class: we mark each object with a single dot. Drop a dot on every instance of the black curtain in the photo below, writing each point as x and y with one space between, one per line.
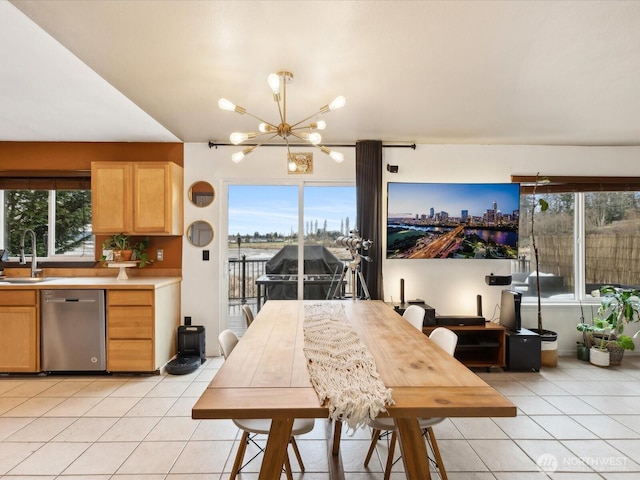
369 211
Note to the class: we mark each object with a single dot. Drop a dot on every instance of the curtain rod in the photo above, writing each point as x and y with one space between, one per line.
334 145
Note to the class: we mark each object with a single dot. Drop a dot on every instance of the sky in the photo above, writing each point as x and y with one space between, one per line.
274 208
418 198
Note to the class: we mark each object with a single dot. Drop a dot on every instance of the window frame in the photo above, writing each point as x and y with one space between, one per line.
579 186
36 184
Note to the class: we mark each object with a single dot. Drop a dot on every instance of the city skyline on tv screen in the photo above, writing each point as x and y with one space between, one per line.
447 220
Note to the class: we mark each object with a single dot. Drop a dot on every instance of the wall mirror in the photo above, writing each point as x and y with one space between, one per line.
200 233
201 194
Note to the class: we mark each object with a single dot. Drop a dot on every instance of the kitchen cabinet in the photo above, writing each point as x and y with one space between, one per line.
20 338
141 328
137 198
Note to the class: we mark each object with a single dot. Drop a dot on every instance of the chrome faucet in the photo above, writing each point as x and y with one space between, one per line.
34 259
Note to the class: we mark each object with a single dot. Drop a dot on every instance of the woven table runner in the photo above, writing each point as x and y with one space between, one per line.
341 368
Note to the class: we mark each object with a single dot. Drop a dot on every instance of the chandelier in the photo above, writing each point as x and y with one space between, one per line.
301 130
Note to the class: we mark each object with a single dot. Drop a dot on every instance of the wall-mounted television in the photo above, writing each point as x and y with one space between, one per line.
453 220
510 318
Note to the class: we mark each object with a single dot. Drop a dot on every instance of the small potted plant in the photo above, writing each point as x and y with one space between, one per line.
124 249
619 307
120 246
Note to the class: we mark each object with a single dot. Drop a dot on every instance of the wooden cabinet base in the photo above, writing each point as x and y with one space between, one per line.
480 346
130 356
19 331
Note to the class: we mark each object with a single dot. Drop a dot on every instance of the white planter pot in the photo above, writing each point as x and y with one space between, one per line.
599 357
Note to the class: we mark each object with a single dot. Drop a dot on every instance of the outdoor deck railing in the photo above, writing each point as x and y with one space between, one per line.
243 273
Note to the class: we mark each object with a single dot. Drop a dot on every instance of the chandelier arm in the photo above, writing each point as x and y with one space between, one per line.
300 137
258 118
253 147
271 137
289 156
305 119
303 127
282 112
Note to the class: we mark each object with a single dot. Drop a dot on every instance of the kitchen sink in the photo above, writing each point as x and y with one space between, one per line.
27 280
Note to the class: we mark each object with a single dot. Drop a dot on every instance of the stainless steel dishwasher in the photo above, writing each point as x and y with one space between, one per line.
73 330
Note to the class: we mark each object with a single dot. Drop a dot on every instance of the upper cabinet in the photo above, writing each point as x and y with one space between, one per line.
143 198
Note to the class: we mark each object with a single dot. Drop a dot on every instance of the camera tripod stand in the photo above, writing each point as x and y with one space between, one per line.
356 275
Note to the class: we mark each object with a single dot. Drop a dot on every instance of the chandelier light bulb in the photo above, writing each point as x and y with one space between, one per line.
292 166
237 157
238 137
266 128
274 83
337 102
227 105
337 156
320 125
314 138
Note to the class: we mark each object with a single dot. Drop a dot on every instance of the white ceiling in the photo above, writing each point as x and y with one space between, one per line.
477 72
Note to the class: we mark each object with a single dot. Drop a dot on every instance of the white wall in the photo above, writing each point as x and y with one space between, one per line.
450 286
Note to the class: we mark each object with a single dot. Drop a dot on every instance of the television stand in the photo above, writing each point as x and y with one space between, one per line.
479 346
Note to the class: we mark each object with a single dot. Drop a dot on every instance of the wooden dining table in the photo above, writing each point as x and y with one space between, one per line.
266 377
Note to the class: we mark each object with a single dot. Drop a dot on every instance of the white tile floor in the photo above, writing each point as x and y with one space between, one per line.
575 422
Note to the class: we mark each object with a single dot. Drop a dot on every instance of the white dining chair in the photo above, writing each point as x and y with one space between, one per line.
260 426
248 314
447 340
414 315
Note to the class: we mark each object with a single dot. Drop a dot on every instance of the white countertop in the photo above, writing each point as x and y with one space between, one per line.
141 283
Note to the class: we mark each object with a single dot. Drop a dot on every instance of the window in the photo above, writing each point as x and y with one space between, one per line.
61 220
554 235
264 222
612 239
589 236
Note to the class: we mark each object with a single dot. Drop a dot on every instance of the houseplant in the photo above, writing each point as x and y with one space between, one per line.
619 307
120 246
548 338
123 248
582 346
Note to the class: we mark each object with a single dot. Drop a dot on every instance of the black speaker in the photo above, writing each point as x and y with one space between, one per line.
497 279
523 350
459 320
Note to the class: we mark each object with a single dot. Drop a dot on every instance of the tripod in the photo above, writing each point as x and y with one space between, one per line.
356 274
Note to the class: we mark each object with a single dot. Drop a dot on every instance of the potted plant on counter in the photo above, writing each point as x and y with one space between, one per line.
121 248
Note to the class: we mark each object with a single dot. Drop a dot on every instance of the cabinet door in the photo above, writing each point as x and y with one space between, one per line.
130 331
111 197
130 355
157 198
19 344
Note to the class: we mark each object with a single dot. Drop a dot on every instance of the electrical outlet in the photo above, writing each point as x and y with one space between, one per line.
159 255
